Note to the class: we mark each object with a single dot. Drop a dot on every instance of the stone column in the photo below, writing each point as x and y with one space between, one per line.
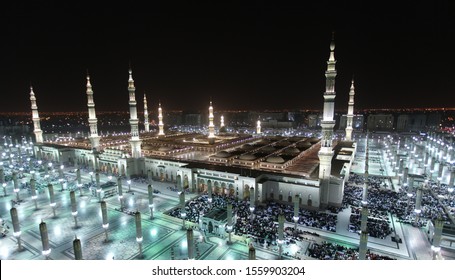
16 227
252 203
251 252
229 222
190 243
418 205
33 193
296 212
405 176
52 203
280 240
363 234
139 238
44 239
105 219
120 193
79 181
77 248
150 194
182 209
436 247
16 186
98 186
73 207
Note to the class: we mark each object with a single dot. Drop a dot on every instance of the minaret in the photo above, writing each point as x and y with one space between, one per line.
222 121
160 121
35 117
350 115
211 126
326 153
258 127
146 115
92 121
134 141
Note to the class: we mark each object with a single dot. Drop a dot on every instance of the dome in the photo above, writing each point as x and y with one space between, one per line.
247 157
268 149
264 141
164 149
247 147
275 159
304 144
292 151
222 154
283 143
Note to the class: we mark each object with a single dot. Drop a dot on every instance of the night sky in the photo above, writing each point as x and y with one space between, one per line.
243 55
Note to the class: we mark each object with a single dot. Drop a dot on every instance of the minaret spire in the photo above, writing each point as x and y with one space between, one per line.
258 127
211 125
326 153
135 141
92 120
35 118
160 121
350 115
146 115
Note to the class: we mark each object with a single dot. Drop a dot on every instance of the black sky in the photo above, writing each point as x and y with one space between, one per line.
247 55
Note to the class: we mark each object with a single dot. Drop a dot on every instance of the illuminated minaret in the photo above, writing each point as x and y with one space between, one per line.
326 153
211 126
258 127
92 121
160 121
146 115
35 117
134 141
222 121
350 115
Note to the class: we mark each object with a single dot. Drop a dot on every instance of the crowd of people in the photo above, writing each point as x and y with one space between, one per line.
333 251
263 225
384 202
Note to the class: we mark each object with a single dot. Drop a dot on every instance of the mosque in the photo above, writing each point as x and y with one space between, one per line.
248 166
